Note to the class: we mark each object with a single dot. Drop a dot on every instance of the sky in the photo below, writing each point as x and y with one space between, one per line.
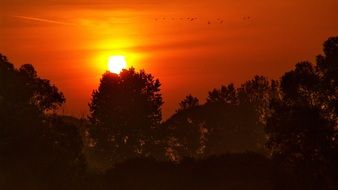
69 42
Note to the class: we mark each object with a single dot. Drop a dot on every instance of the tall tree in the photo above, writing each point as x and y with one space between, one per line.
302 128
36 150
125 112
24 98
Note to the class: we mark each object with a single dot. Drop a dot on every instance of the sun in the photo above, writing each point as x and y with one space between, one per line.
116 63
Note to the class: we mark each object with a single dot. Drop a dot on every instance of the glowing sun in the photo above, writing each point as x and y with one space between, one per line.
116 63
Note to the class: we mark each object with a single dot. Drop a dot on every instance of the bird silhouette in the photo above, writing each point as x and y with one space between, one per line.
192 19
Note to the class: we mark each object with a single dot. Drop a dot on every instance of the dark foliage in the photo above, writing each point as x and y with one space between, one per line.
36 150
231 120
302 128
125 114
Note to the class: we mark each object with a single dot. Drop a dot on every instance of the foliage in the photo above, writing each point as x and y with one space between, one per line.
302 128
189 102
125 114
37 150
231 120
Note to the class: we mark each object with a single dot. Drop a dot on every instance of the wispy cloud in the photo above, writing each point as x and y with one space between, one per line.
44 20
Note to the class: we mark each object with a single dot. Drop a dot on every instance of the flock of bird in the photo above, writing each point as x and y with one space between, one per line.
191 19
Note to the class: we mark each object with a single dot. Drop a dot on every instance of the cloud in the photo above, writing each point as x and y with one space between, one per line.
111 4
43 20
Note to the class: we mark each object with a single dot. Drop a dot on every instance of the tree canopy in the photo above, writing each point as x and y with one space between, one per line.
35 144
302 128
125 112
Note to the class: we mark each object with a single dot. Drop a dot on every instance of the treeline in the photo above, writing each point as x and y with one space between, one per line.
289 126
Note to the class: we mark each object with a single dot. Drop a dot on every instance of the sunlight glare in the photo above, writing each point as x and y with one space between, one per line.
117 63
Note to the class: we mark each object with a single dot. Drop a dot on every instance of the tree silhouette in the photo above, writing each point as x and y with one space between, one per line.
125 114
224 95
189 102
37 150
24 98
185 132
235 118
327 69
232 120
257 93
34 91
302 128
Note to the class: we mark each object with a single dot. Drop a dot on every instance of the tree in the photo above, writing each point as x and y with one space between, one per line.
34 91
37 150
231 120
24 98
302 128
224 95
125 112
189 102
235 118
257 93
185 130
327 69
231 129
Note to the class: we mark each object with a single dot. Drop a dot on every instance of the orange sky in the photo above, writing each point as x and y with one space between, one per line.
69 42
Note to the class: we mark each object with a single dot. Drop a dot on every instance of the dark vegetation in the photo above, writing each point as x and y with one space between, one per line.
280 134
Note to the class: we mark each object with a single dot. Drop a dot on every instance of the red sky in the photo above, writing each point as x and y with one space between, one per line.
69 42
